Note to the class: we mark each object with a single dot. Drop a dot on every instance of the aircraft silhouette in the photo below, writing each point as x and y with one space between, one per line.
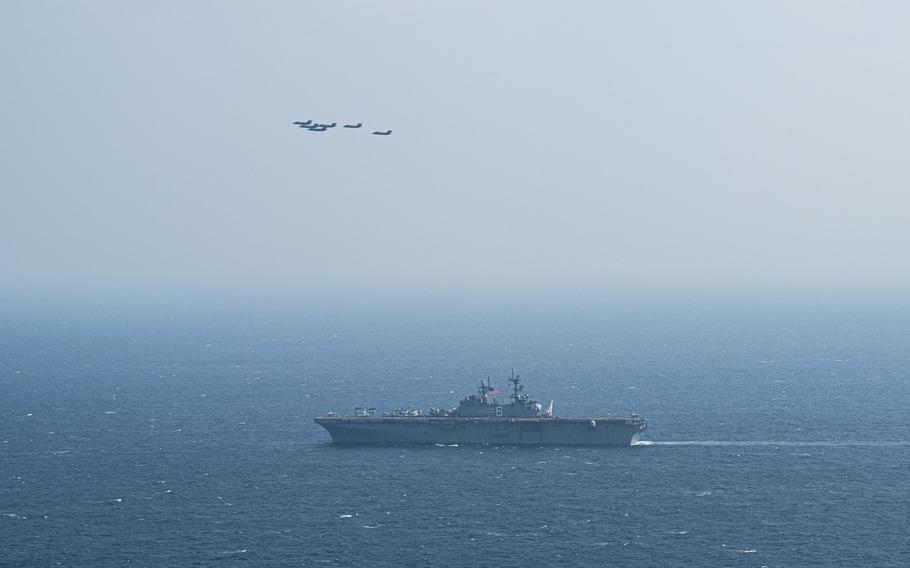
320 127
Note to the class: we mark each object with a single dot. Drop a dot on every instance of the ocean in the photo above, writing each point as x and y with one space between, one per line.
178 440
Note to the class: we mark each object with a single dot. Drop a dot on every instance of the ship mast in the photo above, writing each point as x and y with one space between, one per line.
515 379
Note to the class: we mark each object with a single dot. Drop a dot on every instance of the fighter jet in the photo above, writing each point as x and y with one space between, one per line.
386 133
318 128
301 124
333 125
358 125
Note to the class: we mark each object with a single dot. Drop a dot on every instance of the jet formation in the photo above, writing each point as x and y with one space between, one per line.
313 126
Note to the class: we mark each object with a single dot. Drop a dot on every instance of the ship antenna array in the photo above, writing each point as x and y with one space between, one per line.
515 379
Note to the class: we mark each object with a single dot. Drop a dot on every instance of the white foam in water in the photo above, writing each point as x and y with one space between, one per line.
345 516
788 443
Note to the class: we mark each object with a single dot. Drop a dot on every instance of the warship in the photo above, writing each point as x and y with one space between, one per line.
483 419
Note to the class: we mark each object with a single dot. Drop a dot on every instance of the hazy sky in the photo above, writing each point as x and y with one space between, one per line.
146 147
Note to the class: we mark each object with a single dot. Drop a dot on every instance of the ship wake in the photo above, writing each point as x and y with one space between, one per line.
781 443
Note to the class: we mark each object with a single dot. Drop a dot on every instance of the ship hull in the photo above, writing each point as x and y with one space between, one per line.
600 431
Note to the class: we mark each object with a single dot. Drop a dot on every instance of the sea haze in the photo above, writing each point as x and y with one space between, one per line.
775 441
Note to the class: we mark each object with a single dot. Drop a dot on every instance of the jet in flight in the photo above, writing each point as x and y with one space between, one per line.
321 127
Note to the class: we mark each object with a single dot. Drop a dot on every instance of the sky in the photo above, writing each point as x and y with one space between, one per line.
599 148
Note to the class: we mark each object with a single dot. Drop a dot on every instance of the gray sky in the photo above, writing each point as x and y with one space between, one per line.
146 147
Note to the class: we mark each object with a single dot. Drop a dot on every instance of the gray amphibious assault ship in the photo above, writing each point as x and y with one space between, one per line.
483 419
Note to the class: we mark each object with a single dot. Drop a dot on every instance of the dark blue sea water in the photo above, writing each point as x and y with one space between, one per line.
181 441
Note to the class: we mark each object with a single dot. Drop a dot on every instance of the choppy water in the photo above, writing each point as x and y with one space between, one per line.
191 443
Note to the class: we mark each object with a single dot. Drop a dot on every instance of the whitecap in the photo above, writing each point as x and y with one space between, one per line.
376 526
345 516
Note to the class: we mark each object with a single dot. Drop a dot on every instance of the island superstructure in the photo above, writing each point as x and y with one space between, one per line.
482 418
